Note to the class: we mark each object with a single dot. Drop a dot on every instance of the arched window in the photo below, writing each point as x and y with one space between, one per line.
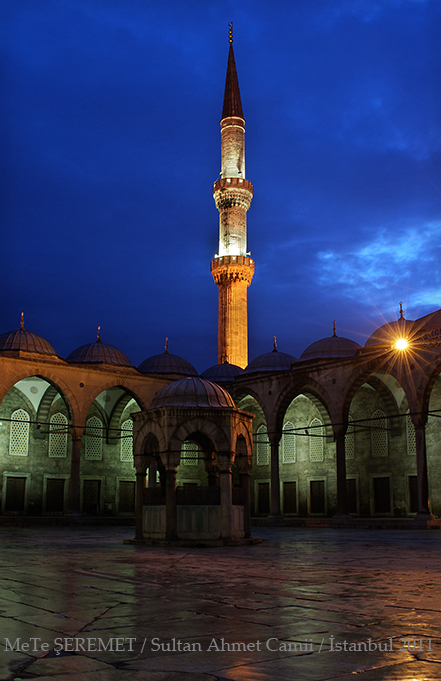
127 440
288 443
94 438
19 437
379 433
350 440
262 446
410 436
316 440
190 453
58 436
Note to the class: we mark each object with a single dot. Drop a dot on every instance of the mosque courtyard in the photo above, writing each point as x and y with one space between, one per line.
305 604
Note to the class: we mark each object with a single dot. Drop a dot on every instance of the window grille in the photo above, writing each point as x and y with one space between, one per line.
316 440
190 453
350 440
262 446
127 440
410 436
288 443
58 436
19 437
379 434
94 439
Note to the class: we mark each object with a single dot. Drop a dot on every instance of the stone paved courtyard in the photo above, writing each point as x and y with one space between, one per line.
81 605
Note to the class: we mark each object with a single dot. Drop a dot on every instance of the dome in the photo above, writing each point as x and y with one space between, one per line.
329 348
271 361
390 333
94 353
222 373
25 340
166 363
192 392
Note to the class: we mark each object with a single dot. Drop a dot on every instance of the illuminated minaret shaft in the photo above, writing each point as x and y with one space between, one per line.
231 268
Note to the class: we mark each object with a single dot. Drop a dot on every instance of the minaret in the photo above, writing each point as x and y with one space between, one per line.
231 268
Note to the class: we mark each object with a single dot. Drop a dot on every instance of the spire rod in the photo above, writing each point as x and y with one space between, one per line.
22 320
230 32
401 311
274 343
166 345
334 329
99 334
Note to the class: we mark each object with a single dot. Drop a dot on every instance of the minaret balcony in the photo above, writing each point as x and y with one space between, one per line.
230 182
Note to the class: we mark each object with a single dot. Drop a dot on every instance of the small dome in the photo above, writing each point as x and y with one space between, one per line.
271 361
25 340
222 373
94 353
166 363
329 348
192 392
390 333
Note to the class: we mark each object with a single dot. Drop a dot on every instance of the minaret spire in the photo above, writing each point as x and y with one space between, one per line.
232 268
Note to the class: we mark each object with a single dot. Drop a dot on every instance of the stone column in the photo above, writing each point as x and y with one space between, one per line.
74 480
275 509
423 482
342 495
245 485
152 474
171 507
226 501
140 487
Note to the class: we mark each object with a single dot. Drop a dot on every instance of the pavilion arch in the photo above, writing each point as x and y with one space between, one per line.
204 426
146 435
57 384
245 435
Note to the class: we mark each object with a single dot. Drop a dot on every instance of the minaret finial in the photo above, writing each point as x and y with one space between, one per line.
401 311
22 320
230 32
99 334
166 345
274 343
334 329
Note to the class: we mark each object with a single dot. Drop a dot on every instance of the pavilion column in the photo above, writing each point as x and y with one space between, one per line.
171 506
423 481
342 495
246 491
226 501
275 509
74 480
152 474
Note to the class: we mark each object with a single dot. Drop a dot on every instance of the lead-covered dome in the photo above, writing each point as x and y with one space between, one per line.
166 363
192 392
390 333
271 361
222 373
99 352
26 341
330 348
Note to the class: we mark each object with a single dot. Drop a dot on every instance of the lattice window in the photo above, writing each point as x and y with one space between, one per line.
316 440
127 440
19 437
379 434
410 435
350 440
288 443
94 439
262 446
58 436
190 453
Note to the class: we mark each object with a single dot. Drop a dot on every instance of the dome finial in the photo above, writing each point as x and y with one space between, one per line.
275 344
166 345
334 329
22 320
99 335
401 311
230 32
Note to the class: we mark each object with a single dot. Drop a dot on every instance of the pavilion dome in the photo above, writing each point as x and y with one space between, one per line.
26 341
166 363
192 392
271 361
99 352
330 348
389 333
222 373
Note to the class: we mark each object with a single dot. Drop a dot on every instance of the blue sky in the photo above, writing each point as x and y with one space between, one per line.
110 140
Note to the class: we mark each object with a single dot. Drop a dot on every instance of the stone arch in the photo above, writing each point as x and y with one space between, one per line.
202 425
92 396
314 392
115 417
